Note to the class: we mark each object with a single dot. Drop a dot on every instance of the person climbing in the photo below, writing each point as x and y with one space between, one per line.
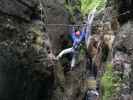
77 37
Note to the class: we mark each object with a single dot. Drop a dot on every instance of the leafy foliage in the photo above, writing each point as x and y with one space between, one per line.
83 6
111 83
73 8
89 5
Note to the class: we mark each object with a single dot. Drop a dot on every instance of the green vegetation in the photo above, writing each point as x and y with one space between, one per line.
89 5
73 9
84 6
110 83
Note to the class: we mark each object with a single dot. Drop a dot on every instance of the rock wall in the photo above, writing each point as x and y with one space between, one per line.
123 58
27 73
25 68
122 47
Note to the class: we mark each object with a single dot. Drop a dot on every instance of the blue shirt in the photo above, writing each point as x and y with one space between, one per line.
77 39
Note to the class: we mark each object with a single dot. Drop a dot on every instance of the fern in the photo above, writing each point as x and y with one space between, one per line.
88 5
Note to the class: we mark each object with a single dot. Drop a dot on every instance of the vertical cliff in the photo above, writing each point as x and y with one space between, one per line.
25 69
122 48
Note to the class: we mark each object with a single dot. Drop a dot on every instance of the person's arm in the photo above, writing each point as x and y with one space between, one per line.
73 29
83 33
73 36
73 33
84 28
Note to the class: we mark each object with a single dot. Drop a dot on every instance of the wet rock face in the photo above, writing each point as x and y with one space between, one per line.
123 6
123 58
19 8
122 46
22 71
56 31
25 72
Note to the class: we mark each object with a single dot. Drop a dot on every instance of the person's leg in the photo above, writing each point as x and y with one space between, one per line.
69 50
73 61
